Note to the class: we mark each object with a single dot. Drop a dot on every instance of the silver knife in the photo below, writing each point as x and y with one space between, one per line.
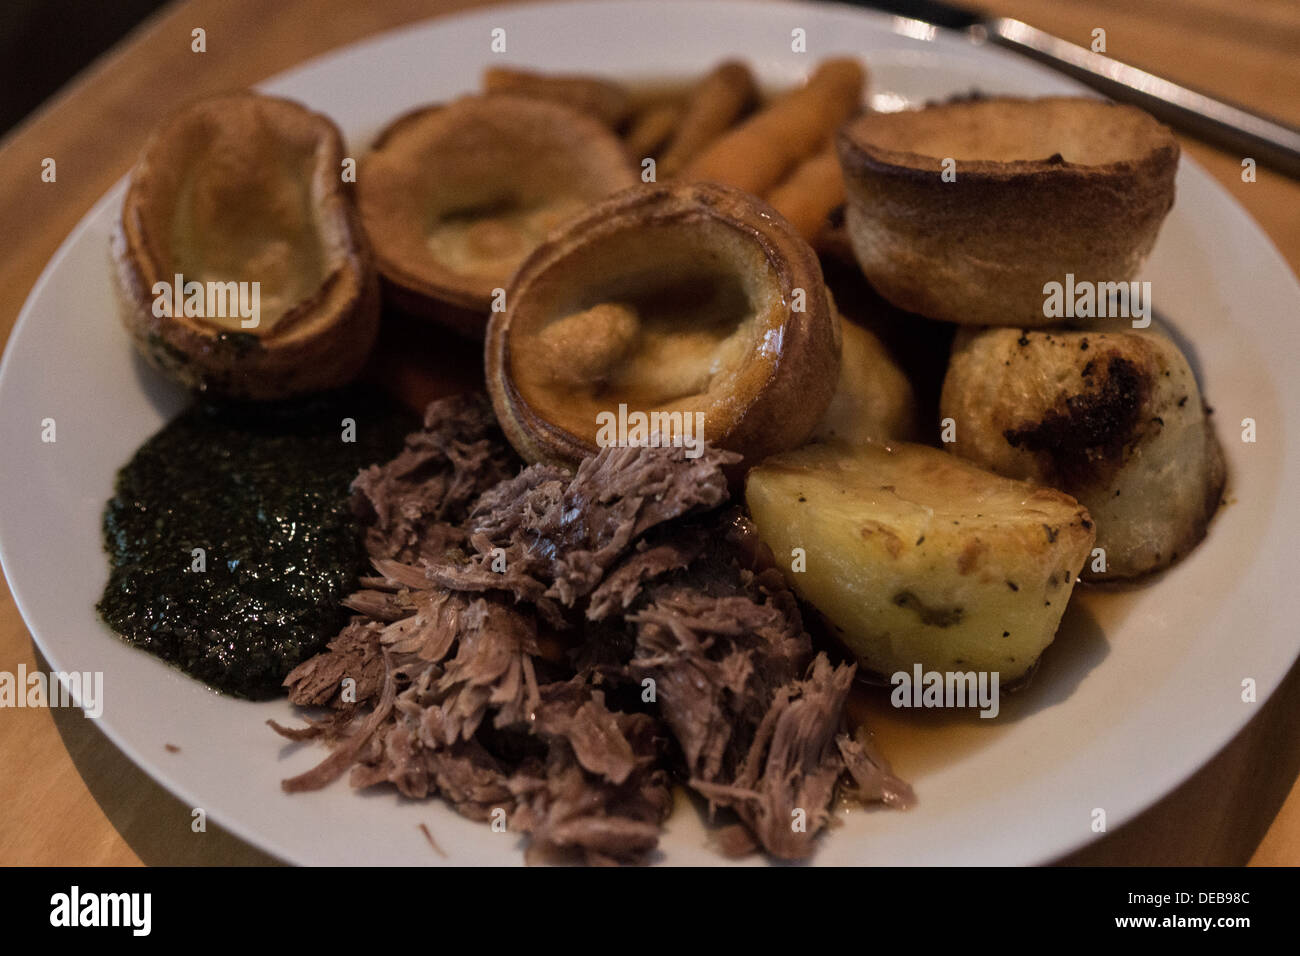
1271 143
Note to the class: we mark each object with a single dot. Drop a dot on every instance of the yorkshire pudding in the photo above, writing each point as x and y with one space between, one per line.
240 262
454 197
1043 188
684 298
606 101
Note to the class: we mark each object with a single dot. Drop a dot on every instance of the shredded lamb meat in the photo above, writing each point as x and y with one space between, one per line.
562 648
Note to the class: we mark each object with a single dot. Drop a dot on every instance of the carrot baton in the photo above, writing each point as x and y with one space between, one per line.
757 154
652 128
809 194
714 105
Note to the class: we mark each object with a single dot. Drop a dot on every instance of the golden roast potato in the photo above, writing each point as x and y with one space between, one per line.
914 556
873 399
1113 418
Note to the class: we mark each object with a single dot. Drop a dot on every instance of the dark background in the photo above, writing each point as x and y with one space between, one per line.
45 43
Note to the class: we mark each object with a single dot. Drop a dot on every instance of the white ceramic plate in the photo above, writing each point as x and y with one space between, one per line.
1136 693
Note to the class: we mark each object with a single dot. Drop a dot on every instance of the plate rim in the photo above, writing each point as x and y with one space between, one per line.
1170 778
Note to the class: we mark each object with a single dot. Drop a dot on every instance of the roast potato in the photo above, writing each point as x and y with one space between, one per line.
873 398
1113 418
914 556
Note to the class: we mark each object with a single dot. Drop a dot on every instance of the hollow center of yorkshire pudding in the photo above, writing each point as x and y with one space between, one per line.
242 211
662 317
455 197
488 239
1004 130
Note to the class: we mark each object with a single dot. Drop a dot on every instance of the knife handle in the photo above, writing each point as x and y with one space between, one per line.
1270 143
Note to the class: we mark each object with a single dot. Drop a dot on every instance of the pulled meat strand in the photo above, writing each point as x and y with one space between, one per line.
673 650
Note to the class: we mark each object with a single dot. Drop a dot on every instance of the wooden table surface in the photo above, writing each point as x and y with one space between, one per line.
71 797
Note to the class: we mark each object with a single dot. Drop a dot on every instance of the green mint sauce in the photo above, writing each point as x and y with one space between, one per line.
263 489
